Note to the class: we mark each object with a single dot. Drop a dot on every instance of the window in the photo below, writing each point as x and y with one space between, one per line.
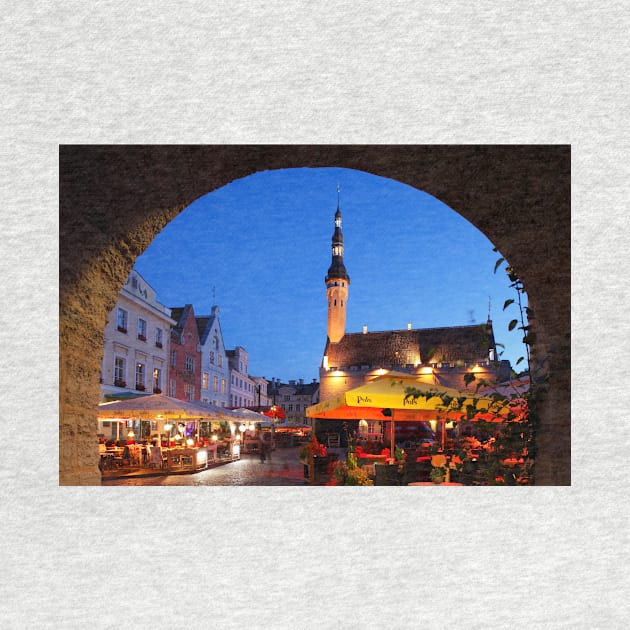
211 357
140 376
219 360
223 386
172 388
173 358
204 381
142 329
189 391
215 383
121 320
157 381
216 342
190 364
158 337
120 372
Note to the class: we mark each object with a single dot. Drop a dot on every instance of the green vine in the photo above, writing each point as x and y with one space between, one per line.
510 458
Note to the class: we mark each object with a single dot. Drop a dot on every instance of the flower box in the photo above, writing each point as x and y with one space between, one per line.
122 329
119 383
158 344
157 390
140 387
142 338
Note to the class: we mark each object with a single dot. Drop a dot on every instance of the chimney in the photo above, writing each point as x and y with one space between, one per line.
365 330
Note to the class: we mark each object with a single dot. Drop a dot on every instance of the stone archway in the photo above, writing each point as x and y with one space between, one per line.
115 199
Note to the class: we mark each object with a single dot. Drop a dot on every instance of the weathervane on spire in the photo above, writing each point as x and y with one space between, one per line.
338 195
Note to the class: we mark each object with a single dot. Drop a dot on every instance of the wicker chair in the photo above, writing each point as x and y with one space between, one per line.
386 475
415 471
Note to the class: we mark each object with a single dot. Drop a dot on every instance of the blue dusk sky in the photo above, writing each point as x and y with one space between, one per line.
260 247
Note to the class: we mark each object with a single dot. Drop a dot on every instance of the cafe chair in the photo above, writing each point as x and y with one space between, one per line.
333 440
386 475
157 459
415 471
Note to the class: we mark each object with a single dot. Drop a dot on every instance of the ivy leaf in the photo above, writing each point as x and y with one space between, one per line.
496 265
512 324
507 303
469 378
519 360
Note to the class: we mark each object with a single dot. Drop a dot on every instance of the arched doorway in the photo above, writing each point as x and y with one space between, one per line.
115 199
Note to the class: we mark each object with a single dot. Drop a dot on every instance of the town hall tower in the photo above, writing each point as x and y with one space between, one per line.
337 282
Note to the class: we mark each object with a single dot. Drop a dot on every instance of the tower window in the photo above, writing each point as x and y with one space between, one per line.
335 303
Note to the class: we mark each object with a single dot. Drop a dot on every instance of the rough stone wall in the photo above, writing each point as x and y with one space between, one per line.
115 199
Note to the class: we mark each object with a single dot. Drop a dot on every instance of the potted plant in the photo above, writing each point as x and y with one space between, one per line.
438 474
348 473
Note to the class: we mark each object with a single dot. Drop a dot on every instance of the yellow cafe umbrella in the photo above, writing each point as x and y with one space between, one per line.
389 393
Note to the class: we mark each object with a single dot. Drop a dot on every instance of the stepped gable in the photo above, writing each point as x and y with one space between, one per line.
400 347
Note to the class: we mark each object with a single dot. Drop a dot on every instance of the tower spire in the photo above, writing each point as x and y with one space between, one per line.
337 281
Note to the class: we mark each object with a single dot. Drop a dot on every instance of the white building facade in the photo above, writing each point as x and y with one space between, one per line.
215 368
136 345
242 386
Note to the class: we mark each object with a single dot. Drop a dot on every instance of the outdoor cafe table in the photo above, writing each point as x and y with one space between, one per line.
186 459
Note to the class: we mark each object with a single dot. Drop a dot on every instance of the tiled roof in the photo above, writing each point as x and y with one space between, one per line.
176 314
204 325
403 347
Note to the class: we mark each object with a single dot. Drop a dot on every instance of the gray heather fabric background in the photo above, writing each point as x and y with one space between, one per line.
306 72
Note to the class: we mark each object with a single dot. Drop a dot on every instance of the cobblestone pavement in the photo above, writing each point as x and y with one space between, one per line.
283 469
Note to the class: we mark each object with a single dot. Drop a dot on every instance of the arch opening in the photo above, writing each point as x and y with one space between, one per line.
114 230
